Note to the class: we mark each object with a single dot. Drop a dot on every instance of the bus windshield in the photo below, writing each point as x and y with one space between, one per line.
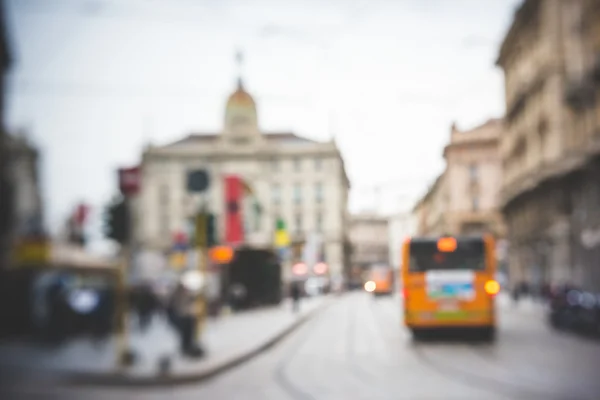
380 273
468 255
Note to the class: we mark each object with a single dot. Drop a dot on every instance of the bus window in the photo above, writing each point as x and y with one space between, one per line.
468 255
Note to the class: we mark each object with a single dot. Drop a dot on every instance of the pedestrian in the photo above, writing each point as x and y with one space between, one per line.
295 292
516 293
146 305
186 320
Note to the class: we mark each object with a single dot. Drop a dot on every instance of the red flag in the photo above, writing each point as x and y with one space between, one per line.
234 227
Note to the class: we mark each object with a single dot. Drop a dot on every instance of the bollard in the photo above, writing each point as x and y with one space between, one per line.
164 365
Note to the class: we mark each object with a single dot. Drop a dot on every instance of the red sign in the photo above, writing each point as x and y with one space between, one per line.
234 227
180 238
300 269
320 268
81 214
130 181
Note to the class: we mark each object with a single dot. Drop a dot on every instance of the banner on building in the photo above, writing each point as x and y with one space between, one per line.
234 226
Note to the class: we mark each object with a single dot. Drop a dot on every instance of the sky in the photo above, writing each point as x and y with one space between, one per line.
94 80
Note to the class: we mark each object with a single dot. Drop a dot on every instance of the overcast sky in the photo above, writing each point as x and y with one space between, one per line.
95 79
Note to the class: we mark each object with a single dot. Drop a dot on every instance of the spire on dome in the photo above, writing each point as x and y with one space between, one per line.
239 59
240 111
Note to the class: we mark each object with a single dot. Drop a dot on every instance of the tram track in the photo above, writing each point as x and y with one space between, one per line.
363 376
446 367
280 374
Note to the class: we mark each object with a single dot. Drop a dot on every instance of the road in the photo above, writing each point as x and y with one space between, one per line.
357 348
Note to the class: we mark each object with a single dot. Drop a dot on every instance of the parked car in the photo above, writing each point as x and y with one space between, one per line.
574 309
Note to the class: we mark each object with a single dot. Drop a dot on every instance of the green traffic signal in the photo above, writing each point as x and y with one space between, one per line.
280 225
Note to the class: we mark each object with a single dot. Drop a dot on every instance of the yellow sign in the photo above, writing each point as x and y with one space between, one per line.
178 260
33 252
282 239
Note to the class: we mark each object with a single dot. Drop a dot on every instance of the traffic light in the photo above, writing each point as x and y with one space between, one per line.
206 223
117 221
280 225
282 238
211 230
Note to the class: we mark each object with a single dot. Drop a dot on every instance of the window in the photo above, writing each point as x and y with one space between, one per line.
297 193
425 256
318 164
319 192
297 164
319 223
275 165
475 204
276 194
473 172
298 223
163 195
165 230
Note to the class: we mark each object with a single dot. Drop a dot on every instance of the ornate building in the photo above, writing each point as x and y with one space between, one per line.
302 181
551 187
464 198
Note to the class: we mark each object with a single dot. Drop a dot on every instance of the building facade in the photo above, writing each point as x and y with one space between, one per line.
400 226
551 185
431 210
369 240
464 198
23 198
301 181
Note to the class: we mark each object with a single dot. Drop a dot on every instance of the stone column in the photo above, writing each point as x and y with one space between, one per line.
516 258
559 257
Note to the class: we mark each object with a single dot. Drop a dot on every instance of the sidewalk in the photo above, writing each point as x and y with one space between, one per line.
229 340
525 304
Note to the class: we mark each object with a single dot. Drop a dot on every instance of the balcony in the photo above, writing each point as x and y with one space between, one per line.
520 99
529 180
595 73
580 94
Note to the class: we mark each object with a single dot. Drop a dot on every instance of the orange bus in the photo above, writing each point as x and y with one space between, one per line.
449 283
381 281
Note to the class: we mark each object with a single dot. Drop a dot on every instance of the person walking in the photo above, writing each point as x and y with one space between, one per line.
295 293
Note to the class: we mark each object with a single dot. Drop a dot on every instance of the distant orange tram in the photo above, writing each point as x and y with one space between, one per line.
381 281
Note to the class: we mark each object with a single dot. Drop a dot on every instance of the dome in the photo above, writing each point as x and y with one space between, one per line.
240 98
240 111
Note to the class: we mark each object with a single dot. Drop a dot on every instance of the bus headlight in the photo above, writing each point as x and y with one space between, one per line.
370 286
